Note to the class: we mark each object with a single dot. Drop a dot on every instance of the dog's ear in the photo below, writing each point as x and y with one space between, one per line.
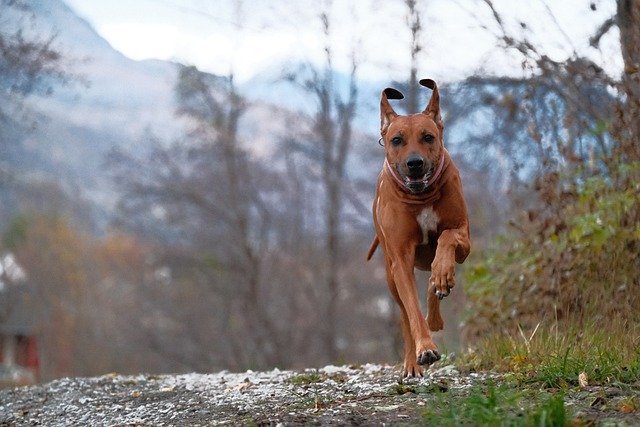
386 111
433 109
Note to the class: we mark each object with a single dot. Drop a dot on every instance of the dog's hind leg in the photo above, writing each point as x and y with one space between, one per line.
424 258
434 319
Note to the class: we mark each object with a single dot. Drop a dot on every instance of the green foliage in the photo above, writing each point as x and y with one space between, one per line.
551 412
575 259
498 406
557 303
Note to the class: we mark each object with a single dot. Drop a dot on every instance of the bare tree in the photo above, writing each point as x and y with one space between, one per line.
628 21
332 135
415 26
29 65
220 214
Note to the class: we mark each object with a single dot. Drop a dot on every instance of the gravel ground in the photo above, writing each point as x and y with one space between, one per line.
333 395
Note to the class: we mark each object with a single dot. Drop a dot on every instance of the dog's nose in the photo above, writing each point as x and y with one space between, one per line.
415 162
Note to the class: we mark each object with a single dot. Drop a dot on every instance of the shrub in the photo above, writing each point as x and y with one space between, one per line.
575 259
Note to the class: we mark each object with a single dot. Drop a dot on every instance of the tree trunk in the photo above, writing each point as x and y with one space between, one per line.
628 15
413 21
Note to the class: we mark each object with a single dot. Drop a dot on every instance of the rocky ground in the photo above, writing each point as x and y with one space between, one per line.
343 395
333 395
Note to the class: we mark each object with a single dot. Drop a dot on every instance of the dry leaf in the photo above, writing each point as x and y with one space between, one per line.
626 408
241 387
582 380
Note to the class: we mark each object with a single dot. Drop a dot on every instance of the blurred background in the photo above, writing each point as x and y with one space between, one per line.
186 185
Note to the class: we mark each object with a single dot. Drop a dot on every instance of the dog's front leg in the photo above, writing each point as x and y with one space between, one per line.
402 262
453 246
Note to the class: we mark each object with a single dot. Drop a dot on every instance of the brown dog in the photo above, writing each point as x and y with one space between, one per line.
420 219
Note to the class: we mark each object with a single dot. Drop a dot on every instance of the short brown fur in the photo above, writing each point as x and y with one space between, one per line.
425 228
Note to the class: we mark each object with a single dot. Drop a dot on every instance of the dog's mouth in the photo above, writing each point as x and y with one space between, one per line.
418 183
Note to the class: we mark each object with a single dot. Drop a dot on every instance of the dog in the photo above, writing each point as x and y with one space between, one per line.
420 219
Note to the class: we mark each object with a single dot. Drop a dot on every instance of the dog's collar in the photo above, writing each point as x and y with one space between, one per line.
404 183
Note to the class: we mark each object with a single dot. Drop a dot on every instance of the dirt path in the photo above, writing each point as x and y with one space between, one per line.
365 395
333 395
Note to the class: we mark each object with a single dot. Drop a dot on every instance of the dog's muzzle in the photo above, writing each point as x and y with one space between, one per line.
417 179
417 173
415 166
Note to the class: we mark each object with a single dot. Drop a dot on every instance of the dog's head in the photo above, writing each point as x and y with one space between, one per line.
414 143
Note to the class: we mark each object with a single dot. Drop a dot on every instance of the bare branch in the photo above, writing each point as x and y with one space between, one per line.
594 41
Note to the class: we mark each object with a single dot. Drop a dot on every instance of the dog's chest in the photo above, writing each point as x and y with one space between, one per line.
428 221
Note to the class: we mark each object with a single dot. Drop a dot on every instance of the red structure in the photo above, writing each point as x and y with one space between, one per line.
19 361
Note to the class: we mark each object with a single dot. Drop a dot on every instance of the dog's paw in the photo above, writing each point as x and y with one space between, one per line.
439 289
426 352
412 370
442 278
428 357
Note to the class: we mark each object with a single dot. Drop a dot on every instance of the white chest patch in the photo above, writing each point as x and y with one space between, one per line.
428 221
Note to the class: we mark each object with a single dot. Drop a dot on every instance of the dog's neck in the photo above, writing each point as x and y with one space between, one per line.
428 183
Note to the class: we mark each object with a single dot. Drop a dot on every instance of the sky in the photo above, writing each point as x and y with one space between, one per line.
244 37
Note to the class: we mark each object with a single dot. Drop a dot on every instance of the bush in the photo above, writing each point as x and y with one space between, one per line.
576 259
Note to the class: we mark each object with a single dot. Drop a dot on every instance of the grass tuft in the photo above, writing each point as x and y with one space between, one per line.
492 405
428 388
556 359
306 378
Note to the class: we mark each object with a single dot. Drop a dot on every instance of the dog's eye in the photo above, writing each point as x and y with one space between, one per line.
428 138
396 140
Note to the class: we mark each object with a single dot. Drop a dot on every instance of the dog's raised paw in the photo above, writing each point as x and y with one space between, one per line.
428 357
441 294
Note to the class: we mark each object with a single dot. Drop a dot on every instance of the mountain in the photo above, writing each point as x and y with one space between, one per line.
112 102
117 102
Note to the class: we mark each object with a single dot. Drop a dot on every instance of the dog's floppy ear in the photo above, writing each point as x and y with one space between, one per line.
386 111
433 109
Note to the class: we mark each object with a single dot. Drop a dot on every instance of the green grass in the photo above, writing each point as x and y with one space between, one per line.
544 365
491 405
556 356
306 378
